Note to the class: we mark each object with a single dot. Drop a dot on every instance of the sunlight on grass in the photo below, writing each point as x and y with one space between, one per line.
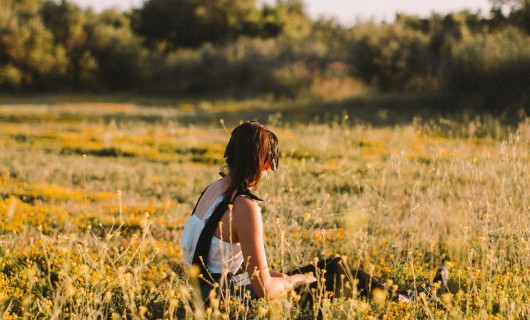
397 201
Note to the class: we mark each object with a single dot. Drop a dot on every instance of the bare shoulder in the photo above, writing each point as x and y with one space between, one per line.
245 206
246 213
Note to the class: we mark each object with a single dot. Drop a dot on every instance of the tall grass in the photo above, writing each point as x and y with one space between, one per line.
397 201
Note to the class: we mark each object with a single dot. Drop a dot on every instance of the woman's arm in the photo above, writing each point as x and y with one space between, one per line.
248 225
275 273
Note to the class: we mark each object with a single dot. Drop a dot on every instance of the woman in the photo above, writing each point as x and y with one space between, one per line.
224 235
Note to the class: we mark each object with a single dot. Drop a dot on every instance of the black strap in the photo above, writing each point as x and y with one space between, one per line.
200 256
197 203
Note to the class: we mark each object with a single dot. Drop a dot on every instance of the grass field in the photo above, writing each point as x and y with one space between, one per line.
94 196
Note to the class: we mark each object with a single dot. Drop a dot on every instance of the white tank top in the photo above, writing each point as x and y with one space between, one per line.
222 256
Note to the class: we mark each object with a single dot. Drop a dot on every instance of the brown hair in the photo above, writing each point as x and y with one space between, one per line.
251 145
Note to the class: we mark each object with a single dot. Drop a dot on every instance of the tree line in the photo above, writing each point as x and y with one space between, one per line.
233 48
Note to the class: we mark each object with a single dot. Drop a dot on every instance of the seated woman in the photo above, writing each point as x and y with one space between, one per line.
224 234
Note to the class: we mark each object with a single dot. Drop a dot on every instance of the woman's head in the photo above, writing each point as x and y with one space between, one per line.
251 150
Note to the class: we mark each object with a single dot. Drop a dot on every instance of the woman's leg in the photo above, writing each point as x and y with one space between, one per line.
339 279
206 288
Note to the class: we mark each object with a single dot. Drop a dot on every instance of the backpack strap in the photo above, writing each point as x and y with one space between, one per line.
202 250
197 203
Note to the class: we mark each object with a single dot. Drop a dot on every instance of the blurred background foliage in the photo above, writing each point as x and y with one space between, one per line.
237 49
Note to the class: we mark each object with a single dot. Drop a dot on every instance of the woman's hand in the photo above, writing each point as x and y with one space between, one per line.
301 279
248 226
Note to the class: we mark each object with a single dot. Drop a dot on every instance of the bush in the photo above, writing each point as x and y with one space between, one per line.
495 66
244 68
117 51
390 57
10 77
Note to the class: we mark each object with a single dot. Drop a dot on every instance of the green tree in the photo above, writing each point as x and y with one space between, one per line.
391 57
28 56
190 23
167 22
291 14
68 24
494 66
519 13
116 50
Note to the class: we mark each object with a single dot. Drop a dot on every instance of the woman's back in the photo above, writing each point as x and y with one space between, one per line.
225 250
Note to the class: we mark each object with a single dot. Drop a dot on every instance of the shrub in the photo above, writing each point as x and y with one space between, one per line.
495 66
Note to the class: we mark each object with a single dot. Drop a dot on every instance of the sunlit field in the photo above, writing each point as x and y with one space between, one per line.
93 200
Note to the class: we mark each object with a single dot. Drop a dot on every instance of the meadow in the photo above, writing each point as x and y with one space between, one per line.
94 196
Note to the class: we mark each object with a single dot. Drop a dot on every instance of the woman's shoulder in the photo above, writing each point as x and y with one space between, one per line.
246 218
243 204
244 200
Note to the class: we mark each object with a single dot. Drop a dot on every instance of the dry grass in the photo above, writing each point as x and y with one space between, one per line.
92 205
